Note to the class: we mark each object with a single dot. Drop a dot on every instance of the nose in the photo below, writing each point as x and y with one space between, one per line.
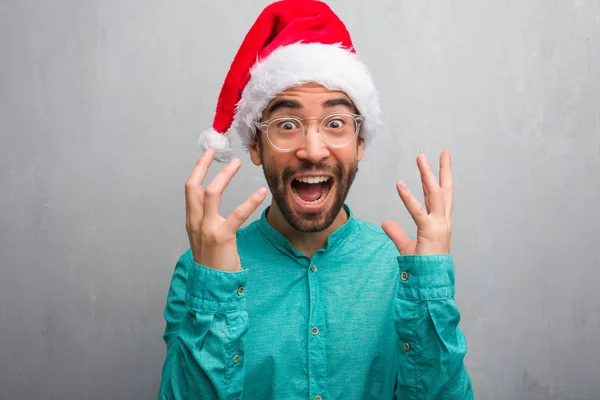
313 149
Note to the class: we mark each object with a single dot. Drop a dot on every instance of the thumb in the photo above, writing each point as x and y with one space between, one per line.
404 244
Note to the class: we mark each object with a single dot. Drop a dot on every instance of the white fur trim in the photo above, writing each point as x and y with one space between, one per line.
329 65
219 142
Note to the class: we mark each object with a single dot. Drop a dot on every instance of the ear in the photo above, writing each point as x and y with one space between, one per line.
361 148
254 148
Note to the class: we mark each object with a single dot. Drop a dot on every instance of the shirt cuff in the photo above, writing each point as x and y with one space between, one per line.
211 290
426 277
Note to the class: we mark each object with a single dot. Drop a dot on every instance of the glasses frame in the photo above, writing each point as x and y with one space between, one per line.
264 126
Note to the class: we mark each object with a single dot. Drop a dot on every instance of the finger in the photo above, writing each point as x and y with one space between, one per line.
426 197
434 192
214 190
404 244
193 188
445 169
446 182
244 210
198 173
449 201
415 209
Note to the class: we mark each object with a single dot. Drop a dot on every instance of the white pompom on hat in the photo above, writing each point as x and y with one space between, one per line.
292 42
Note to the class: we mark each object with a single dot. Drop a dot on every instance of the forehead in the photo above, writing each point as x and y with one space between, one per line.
310 93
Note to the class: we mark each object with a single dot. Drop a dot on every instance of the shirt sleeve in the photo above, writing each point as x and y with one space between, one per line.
431 345
206 323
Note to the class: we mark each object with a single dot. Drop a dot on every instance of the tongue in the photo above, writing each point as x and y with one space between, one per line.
309 191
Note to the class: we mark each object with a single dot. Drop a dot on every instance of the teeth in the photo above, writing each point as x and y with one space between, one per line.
313 179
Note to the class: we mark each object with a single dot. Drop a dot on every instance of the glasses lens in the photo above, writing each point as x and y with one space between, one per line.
338 129
285 133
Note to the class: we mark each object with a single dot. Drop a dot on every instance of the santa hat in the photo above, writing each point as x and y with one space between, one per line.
292 42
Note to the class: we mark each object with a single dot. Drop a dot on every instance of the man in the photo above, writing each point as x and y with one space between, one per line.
309 302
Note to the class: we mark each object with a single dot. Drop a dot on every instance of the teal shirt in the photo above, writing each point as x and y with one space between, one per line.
355 321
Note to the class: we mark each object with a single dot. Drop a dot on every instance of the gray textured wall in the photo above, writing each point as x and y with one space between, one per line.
100 106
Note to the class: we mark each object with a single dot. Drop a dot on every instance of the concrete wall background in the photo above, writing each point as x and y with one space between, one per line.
100 106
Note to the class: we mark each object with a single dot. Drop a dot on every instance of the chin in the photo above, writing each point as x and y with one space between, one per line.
311 223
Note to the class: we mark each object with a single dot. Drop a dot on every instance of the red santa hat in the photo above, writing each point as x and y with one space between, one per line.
292 42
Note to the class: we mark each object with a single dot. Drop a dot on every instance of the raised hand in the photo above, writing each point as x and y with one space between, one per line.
434 222
212 237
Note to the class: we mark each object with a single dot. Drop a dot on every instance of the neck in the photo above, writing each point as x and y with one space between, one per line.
306 243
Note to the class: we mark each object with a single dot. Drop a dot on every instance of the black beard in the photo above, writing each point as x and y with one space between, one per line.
312 221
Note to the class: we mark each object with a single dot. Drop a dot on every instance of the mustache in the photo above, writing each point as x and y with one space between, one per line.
288 172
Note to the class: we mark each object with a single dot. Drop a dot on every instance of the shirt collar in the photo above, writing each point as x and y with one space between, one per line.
279 241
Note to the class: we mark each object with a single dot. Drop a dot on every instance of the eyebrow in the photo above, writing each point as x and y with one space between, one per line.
294 105
338 102
291 104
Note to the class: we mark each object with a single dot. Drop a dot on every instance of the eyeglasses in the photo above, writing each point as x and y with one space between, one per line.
287 132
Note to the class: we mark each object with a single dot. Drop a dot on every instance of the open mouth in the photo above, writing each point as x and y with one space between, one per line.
312 191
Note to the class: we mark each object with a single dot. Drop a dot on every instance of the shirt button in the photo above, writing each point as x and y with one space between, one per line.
404 275
287 245
236 358
240 291
406 347
313 268
315 331
317 397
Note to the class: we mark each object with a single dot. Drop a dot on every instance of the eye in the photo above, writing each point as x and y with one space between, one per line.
335 124
287 125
